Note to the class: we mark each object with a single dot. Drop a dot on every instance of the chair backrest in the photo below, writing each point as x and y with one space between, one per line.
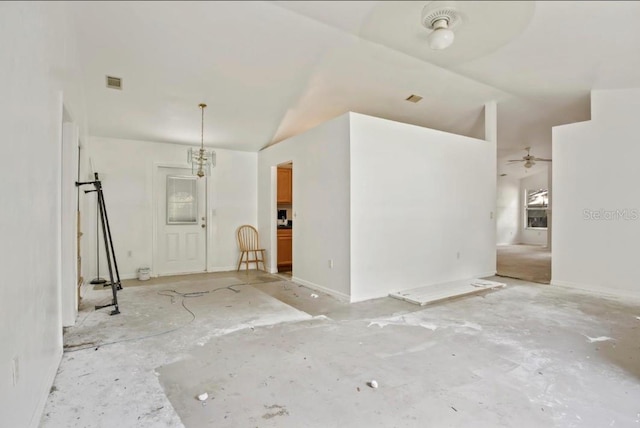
248 238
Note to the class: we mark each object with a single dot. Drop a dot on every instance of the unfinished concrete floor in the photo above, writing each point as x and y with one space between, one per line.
270 355
527 262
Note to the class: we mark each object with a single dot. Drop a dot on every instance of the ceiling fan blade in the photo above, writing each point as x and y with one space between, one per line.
542 160
515 160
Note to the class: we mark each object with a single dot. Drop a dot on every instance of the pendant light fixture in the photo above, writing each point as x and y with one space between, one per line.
201 160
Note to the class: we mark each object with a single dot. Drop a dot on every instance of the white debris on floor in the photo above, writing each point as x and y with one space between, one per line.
598 339
408 319
499 360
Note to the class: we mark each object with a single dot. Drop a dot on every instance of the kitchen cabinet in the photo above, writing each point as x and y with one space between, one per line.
285 249
285 189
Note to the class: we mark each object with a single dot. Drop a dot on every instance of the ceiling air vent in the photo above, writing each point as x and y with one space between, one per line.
414 98
114 82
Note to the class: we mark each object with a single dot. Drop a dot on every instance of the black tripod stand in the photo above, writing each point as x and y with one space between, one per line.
98 279
108 244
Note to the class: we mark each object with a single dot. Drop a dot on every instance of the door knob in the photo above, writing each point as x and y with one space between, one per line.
203 226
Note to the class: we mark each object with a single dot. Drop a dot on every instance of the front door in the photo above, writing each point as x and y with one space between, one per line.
181 222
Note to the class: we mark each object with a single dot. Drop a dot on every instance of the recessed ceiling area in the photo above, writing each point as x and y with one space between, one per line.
271 70
483 28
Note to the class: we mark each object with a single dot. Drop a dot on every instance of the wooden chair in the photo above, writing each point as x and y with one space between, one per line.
249 242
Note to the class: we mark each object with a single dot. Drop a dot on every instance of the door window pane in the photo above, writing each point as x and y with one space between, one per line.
182 200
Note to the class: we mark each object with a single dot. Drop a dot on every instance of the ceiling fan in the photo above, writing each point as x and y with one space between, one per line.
529 160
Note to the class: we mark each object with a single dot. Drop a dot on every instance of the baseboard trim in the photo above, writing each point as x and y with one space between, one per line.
86 285
337 294
365 298
222 269
485 275
49 378
596 290
209 270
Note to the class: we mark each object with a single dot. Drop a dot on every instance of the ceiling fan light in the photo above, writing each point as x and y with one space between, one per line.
441 39
440 18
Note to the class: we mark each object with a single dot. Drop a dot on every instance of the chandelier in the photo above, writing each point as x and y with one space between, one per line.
201 160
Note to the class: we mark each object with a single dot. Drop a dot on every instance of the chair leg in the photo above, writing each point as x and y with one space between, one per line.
257 261
240 261
264 267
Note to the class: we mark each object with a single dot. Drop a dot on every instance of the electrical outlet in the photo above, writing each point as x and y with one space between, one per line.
330 263
458 255
491 215
129 253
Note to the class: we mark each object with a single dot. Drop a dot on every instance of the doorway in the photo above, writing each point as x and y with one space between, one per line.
285 215
181 222
524 226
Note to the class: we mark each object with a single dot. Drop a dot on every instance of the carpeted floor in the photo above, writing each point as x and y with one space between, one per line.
528 262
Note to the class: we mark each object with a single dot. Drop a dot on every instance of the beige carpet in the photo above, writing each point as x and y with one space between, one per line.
528 262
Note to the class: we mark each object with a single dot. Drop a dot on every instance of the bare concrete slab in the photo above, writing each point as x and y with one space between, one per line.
107 375
527 356
448 290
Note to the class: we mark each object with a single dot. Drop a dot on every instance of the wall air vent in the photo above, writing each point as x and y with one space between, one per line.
114 82
414 98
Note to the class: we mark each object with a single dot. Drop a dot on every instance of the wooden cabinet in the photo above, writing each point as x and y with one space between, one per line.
285 193
285 248
285 236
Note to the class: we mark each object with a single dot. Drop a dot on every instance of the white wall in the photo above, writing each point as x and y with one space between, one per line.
508 211
69 209
419 197
595 174
536 181
87 218
39 65
126 169
320 204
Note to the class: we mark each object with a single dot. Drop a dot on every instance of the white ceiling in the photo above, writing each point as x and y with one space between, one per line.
270 70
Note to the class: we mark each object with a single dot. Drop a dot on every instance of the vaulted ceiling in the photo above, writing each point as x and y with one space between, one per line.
270 70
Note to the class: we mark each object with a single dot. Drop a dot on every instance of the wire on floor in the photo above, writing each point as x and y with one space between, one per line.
174 294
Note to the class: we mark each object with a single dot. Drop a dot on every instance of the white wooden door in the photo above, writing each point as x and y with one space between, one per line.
181 222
